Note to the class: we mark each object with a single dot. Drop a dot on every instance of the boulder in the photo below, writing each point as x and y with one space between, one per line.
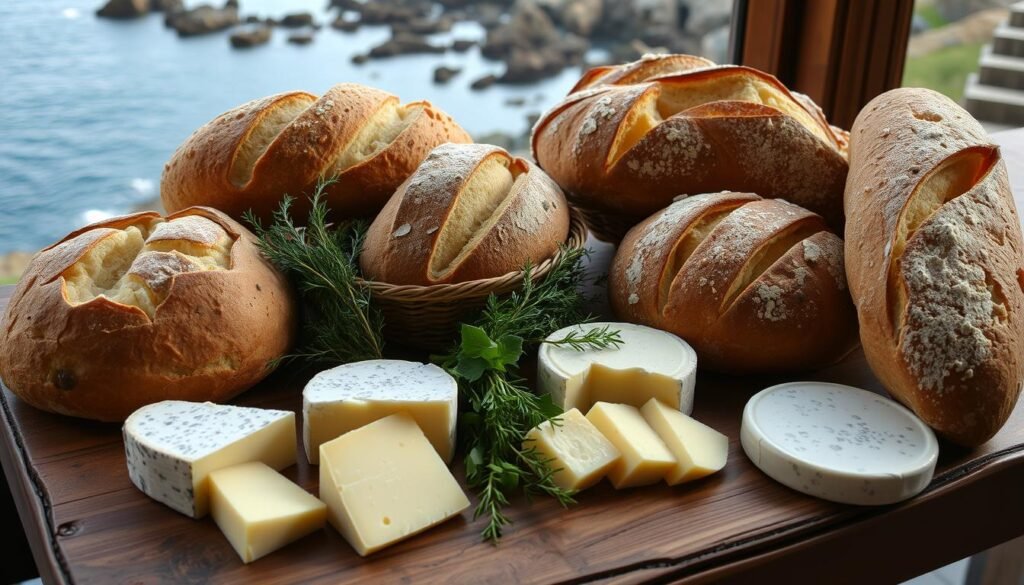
345 25
360 59
424 26
355 5
166 5
300 38
581 16
404 44
297 20
529 27
530 65
444 74
124 9
252 37
484 82
394 11
463 45
515 102
203 19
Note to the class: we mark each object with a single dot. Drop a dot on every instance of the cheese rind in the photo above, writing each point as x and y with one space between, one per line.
645 457
384 482
650 363
699 449
578 453
353 395
172 446
259 510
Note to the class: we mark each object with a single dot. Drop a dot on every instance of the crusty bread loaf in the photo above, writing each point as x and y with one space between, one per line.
138 309
755 285
632 137
253 155
470 211
935 262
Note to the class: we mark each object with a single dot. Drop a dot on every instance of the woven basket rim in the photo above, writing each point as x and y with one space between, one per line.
406 293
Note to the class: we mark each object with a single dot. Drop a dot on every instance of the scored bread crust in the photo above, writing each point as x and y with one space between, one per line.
954 354
213 336
762 288
585 142
527 226
314 133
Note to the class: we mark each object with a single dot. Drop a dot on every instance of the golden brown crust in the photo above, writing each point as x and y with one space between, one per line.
211 337
592 145
313 134
403 243
755 285
941 311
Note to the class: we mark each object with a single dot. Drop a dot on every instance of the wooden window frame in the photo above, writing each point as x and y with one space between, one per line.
841 53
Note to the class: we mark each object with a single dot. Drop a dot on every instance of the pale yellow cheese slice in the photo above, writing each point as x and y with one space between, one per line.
699 449
259 510
645 457
577 452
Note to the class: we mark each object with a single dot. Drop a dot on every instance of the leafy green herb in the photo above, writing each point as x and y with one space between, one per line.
339 322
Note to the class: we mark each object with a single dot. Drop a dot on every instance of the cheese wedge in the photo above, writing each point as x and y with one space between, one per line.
350 396
648 364
259 510
578 453
172 446
645 458
384 482
699 449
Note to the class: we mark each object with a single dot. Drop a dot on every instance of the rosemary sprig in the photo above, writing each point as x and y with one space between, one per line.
339 322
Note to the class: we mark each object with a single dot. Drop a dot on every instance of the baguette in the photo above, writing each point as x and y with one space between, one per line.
138 309
936 263
252 156
632 137
754 285
470 211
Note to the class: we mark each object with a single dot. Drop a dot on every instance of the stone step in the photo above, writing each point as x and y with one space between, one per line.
1017 15
1008 41
994 104
1000 70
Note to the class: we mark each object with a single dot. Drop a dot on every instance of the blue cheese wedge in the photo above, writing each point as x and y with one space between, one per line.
350 396
172 446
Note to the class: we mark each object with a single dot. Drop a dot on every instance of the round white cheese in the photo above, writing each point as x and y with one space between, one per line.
649 363
838 443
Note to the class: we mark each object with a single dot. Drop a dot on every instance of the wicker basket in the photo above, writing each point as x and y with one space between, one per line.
605 225
428 317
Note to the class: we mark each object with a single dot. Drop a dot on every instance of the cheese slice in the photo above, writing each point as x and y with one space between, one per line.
350 396
699 449
172 446
259 510
579 454
384 482
650 363
645 457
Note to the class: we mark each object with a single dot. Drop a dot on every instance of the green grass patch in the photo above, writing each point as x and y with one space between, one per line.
945 70
931 15
4 280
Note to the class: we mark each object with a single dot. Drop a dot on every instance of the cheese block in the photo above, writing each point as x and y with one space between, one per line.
172 446
350 396
699 449
578 453
385 482
650 363
645 457
259 510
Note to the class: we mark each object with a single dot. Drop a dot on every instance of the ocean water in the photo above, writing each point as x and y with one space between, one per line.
90 109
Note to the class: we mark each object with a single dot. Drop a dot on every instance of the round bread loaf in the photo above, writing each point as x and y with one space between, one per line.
755 285
141 308
252 156
936 262
630 138
470 211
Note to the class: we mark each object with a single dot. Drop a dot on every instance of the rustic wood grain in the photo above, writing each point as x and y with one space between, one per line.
88 524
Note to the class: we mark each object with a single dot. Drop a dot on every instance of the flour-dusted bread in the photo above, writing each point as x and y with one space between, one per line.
936 262
754 285
470 211
141 308
630 138
252 156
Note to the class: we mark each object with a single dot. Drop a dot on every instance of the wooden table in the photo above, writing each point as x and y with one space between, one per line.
88 524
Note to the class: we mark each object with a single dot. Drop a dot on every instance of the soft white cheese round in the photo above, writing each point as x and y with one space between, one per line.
649 363
838 443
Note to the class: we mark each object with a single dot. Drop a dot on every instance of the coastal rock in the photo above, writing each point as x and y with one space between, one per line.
582 16
359 59
488 15
404 44
444 74
394 11
253 37
484 82
297 20
354 5
300 38
345 25
124 9
168 6
203 19
529 27
529 65
463 45
424 26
